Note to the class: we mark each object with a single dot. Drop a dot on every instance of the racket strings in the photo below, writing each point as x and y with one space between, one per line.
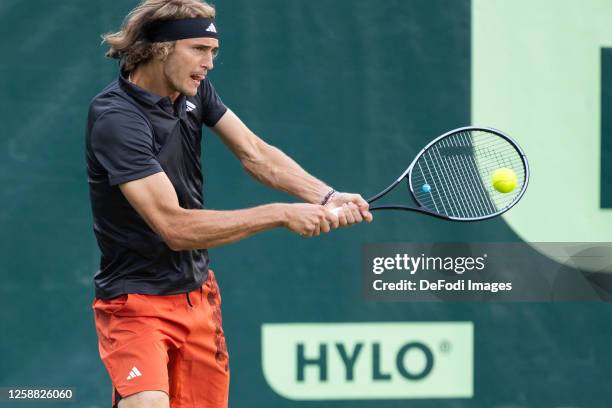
456 190
458 193
458 169
459 185
487 167
498 153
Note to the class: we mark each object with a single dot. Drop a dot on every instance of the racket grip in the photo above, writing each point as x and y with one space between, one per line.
336 210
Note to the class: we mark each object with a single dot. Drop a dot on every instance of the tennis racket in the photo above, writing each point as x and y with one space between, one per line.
451 178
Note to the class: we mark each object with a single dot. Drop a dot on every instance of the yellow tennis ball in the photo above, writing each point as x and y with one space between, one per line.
504 180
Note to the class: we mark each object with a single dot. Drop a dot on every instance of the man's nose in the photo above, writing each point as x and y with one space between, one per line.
207 63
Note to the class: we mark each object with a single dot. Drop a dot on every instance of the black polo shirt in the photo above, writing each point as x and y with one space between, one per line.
131 134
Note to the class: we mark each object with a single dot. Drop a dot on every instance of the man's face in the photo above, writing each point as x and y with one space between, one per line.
189 62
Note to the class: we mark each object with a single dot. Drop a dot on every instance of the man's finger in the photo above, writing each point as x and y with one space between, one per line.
342 217
356 212
323 223
364 209
325 227
361 203
333 217
350 218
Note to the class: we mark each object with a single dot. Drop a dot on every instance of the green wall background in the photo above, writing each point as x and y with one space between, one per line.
351 90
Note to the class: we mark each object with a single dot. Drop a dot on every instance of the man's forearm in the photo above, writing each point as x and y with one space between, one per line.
277 170
196 229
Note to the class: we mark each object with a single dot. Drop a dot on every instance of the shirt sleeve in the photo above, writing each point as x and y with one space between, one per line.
123 144
212 105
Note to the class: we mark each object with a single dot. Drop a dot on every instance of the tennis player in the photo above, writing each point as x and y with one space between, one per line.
157 306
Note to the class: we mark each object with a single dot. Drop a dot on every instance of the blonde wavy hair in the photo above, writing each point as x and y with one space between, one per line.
129 44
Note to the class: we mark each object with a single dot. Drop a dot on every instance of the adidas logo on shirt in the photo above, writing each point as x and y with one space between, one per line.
212 28
134 373
190 106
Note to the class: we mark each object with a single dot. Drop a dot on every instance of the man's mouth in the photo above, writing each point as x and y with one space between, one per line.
197 78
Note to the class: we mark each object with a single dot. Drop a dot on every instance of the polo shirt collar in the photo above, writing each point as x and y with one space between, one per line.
147 97
181 103
139 93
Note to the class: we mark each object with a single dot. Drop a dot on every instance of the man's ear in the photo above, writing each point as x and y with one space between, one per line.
163 50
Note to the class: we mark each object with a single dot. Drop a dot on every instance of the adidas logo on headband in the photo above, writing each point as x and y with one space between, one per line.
211 28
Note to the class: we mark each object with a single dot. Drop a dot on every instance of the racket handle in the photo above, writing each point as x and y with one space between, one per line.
336 210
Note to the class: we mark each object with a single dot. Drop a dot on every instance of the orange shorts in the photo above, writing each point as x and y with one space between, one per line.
173 344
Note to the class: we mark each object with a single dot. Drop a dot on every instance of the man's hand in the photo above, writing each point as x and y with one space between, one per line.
354 208
309 220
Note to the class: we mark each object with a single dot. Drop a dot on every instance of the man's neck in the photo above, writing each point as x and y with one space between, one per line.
150 77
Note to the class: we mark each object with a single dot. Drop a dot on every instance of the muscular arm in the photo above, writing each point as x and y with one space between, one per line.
266 163
154 198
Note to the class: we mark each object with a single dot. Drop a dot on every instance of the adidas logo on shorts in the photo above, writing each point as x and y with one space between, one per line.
134 373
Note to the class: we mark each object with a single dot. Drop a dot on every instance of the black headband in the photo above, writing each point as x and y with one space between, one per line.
172 30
